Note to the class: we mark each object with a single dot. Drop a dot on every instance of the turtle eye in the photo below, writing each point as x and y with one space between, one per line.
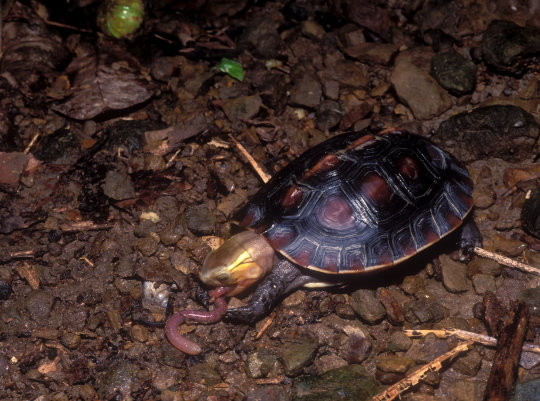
223 277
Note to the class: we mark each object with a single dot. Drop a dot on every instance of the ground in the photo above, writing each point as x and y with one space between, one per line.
118 175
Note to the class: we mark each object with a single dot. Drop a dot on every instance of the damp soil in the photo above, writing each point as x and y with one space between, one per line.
118 175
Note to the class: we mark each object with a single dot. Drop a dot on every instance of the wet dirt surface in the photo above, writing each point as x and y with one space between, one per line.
118 176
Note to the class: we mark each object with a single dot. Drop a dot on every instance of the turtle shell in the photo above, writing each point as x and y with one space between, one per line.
361 201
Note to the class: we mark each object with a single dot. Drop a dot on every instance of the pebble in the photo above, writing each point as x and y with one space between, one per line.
117 380
508 246
454 275
466 390
531 296
260 363
372 53
139 333
12 166
483 283
483 266
298 354
426 349
454 72
468 364
204 373
424 310
39 305
350 382
118 185
147 245
329 115
399 342
306 91
416 88
367 306
70 340
200 220
312 30
242 108
393 363
527 391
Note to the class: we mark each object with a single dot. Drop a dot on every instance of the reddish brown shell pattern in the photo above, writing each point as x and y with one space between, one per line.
361 201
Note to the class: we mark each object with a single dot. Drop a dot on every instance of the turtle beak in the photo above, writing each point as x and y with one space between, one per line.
237 263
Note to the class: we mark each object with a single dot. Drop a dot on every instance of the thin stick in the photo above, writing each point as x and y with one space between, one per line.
256 166
32 142
467 335
397 388
503 260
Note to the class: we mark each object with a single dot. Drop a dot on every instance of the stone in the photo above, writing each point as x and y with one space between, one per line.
416 88
372 53
468 364
507 132
393 363
531 296
242 108
298 354
260 363
483 283
312 30
367 306
350 382
454 275
527 391
454 72
12 166
306 91
118 185
424 310
204 373
200 220
39 304
426 349
329 115
399 342
510 48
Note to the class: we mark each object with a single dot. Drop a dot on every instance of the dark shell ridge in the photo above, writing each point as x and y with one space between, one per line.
361 201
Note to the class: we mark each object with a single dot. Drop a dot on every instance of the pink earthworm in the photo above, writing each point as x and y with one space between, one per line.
199 316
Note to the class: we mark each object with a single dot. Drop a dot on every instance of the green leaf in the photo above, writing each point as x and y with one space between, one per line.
232 68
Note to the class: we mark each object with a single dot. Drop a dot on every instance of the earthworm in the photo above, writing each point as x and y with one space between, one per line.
199 316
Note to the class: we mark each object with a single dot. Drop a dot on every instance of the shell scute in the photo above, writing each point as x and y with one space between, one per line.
361 202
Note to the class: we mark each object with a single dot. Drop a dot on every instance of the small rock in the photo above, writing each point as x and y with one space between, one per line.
399 342
39 305
483 283
231 202
527 391
118 186
5 290
347 383
200 220
261 34
204 373
416 88
531 296
508 246
12 166
297 355
469 364
367 306
139 333
484 196
507 132
454 275
454 72
372 53
412 285
462 390
306 91
242 108
260 363
117 380
484 266
426 349
394 363
510 48
147 246
70 340
312 30
424 310
328 362
329 115
388 377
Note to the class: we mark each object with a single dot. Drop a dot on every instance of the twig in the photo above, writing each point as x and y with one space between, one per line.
256 166
32 142
505 364
397 388
503 260
467 335
266 324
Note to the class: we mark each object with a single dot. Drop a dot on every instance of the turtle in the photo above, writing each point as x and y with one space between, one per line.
356 203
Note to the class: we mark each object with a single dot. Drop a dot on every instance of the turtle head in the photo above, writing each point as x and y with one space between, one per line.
239 263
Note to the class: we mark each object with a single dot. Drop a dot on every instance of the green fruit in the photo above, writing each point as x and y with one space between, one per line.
120 18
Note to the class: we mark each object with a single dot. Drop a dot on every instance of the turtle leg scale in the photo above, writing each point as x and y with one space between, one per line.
284 277
470 237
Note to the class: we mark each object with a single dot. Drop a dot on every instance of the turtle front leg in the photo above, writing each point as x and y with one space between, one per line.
282 279
470 237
